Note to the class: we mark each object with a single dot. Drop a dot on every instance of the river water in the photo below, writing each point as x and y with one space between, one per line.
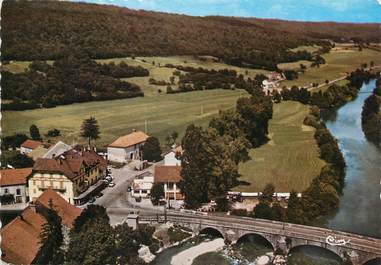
360 205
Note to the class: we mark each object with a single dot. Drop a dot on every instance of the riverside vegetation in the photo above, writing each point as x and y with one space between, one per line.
371 115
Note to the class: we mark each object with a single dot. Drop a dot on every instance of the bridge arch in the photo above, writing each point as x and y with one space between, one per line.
374 261
212 231
256 238
316 250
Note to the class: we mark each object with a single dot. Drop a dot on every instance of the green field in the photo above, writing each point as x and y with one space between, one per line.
290 159
163 113
338 63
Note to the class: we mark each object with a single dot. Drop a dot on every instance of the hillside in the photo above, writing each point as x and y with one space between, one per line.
46 29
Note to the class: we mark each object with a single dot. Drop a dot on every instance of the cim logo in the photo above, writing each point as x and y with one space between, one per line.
333 241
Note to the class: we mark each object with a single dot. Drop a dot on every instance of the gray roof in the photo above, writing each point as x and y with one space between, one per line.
59 148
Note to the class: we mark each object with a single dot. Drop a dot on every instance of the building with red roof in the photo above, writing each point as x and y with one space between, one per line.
70 174
13 184
20 240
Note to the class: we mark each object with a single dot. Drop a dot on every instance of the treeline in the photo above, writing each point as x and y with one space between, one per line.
92 239
323 194
211 156
334 96
204 79
371 115
42 30
74 78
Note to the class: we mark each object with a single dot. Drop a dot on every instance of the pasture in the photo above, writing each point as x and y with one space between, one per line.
290 160
338 63
162 114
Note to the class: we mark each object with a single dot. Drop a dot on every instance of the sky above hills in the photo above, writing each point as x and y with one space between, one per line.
306 10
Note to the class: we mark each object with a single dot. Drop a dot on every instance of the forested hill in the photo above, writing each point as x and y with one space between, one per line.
46 29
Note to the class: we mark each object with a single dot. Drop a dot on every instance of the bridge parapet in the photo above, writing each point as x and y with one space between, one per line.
281 235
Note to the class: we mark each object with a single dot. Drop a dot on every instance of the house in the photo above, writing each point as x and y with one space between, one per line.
20 238
169 177
142 184
127 147
13 185
29 145
171 158
70 174
43 151
272 82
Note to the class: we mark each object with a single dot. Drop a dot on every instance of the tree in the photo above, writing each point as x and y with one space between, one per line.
92 239
34 132
157 193
53 133
267 194
127 245
90 129
151 149
51 239
20 161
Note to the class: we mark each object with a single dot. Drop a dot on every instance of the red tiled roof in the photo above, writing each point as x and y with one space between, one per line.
65 210
17 176
20 238
70 162
31 144
165 174
130 139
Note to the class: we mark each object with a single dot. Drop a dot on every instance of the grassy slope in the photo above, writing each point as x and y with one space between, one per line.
290 159
338 62
164 113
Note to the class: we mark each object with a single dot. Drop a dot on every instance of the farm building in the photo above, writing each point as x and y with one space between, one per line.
127 147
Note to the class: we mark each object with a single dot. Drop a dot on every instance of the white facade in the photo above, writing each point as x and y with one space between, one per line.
24 150
18 191
123 155
171 191
39 182
171 160
142 184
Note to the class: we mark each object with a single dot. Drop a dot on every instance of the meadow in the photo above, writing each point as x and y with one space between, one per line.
290 160
161 115
338 62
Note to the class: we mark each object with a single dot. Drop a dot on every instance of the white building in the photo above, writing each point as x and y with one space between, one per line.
127 147
169 177
142 184
29 145
170 159
13 185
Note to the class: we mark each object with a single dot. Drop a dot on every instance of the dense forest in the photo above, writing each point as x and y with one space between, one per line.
371 115
41 30
68 80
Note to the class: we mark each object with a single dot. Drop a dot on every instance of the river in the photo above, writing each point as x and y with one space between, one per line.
360 205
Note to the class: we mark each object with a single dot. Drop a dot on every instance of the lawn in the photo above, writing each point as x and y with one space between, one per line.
163 113
338 63
290 159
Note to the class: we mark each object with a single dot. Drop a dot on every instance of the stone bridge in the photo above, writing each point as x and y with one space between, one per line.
284 236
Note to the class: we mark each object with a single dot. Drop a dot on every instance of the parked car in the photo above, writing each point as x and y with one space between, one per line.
111 184
129 189
92 200
109 178
100 194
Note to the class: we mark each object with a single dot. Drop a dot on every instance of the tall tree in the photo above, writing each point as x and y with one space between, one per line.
151 149
90 129
51 239
34 132
157 192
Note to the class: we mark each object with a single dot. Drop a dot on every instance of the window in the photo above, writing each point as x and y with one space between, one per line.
18 191
6 191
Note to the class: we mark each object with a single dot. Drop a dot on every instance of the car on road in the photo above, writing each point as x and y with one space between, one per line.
109 178
129 189
100 194
111 184
92 200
